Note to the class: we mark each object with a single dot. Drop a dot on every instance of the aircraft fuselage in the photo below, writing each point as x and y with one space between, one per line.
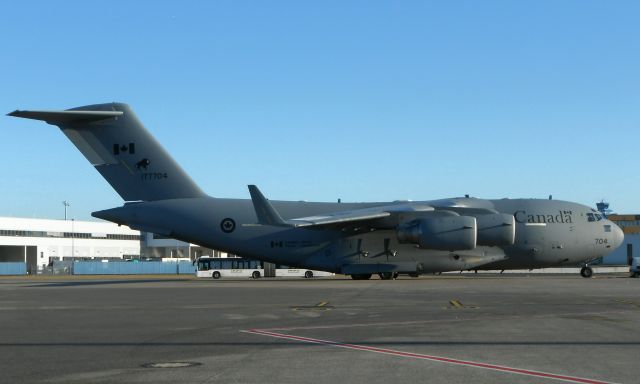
548 233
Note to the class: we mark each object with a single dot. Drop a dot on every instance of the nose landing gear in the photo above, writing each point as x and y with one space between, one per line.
586 271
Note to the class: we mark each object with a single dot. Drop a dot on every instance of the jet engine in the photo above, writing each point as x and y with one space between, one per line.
446 233
496 229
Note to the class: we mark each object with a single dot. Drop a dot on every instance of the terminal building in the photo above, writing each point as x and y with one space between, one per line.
630 225
39 242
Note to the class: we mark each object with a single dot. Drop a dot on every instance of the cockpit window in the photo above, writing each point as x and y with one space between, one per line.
594 217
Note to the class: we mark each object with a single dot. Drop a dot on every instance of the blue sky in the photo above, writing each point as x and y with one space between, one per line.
359 100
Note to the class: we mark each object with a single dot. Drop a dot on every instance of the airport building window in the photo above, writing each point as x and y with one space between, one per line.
75 235
123 237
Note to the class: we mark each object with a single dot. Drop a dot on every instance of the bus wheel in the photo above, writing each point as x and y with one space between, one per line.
255 275
586 272
308 275
216 275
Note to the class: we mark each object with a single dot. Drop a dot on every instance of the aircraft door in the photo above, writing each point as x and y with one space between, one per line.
31 254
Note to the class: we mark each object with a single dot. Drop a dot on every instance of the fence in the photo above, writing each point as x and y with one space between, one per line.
132 268
13 268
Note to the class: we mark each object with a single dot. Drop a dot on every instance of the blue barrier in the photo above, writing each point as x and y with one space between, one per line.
186 268
132 268
13 268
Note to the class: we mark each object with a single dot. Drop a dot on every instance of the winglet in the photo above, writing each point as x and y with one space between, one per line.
267 215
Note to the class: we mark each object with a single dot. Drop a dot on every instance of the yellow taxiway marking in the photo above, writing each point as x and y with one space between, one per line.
456 304
321 306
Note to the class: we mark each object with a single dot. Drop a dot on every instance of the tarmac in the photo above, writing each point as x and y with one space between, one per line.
435 329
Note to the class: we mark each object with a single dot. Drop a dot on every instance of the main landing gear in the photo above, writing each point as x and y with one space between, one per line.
361 276
586 271
383 276
388 275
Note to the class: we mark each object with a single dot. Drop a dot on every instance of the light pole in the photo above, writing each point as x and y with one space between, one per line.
66 204
73 244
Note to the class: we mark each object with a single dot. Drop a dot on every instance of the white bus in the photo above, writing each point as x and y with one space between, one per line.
285 271
215 267
229 267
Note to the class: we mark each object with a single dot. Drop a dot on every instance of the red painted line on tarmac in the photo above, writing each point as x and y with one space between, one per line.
447 360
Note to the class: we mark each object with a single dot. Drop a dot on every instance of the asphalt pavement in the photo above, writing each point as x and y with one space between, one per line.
436 329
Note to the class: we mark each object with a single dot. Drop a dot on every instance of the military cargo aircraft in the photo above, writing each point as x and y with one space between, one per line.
356 239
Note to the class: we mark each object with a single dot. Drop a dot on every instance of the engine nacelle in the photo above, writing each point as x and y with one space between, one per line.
446 233
496 229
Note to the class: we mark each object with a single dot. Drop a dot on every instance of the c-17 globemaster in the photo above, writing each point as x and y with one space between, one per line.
357 239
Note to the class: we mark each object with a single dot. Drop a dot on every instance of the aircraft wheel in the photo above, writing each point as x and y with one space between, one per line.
586 272
255 275
216 275
414 274
363 276
386 275
395 275
308 275
635 274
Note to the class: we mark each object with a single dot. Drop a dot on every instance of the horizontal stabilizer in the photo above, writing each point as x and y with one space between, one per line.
65 117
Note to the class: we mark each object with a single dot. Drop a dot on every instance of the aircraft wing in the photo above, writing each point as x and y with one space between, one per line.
372 216
267 215
341 217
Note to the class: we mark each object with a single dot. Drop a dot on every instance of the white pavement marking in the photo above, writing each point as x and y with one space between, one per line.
473 364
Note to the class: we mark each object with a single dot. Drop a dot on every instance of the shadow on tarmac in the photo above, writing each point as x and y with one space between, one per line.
99 282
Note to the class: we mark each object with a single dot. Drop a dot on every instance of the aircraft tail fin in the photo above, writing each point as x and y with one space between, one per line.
114 141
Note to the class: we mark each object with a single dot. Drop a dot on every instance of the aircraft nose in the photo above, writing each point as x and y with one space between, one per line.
618 235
